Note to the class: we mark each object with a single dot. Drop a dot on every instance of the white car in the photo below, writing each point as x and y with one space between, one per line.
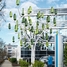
43 59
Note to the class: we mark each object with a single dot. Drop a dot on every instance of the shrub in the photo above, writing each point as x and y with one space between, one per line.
38 64
13 60
65 54
23 63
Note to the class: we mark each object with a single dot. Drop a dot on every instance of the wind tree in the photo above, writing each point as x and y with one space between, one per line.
24 25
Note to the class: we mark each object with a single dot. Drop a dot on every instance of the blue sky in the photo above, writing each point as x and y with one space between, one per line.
6 34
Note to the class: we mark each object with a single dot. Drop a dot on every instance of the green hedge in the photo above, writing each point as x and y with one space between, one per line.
23 63
38 64
13 60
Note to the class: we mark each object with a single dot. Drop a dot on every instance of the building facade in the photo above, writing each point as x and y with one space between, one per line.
9 49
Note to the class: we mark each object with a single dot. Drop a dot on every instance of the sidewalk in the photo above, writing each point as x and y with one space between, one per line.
6 64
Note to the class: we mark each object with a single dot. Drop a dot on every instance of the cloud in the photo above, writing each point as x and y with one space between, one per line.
6 25
62 6
10 3
11 33
26 5
51 1
33 1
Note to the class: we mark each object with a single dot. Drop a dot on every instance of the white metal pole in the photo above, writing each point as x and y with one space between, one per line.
58 51
32 53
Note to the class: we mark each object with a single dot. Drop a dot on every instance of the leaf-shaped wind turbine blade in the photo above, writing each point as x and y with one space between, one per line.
21 32
23 20
37 23
46 35
54 21
55 11
30 22
52 10
9 26
10 14
21 42
43 26
26 22
42 15
51 31
29 9
13 39
32 29
48 19
47 44
16 28
47 26
17 2
14 16
22 11
38 15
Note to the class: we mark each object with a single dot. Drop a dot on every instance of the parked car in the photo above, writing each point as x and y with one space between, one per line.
44 59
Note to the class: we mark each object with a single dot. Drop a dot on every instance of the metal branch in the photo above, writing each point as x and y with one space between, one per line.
2 6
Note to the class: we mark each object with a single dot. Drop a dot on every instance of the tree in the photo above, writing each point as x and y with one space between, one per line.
2 43
26 26
65 54
2 6
2 51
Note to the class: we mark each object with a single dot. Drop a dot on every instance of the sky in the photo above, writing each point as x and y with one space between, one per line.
7 34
